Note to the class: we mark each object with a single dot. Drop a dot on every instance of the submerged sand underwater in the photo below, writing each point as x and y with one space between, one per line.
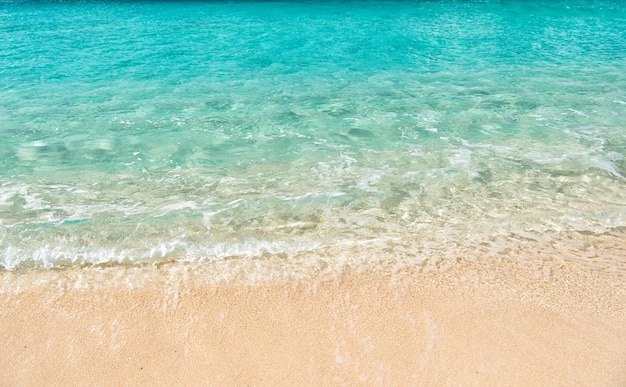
304 192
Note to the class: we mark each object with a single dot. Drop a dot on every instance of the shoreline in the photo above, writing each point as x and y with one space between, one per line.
475 322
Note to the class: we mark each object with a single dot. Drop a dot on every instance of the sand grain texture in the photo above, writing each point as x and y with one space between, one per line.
472 324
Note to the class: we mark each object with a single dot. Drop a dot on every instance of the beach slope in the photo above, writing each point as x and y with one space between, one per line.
473 323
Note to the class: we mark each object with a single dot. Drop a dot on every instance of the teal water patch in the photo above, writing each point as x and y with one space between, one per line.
157 131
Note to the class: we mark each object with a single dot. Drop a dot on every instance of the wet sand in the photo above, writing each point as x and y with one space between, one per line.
472 323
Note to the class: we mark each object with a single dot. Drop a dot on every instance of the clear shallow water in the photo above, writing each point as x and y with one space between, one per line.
204 131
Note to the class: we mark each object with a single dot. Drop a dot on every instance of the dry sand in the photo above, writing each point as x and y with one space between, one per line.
474 323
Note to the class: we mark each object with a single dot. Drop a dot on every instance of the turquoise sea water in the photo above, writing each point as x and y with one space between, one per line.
328 131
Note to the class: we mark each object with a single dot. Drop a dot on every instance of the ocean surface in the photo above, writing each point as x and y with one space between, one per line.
311 132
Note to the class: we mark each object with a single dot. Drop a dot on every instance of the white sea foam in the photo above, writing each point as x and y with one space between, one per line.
375 141
49 256
607 165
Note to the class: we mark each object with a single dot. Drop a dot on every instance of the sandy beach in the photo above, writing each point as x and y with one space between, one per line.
471 323
313 193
